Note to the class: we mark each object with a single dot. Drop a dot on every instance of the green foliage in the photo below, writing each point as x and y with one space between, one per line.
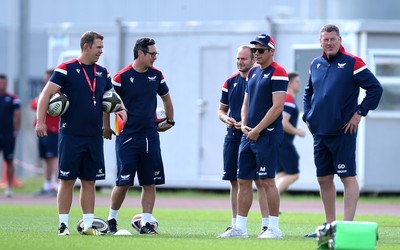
35 227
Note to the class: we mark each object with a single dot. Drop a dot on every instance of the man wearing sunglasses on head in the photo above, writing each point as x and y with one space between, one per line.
262 134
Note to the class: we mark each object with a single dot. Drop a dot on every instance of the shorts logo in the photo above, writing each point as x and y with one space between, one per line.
262 171
157 173
64 173
125 177
341 168
100 173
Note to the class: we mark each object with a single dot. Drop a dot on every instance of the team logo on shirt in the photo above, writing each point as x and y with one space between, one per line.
266 75
253 75
341 65
78 71
318 65
131 79
234 85
152 78
99 74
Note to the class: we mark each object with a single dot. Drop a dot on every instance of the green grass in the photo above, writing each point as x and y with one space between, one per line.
35 227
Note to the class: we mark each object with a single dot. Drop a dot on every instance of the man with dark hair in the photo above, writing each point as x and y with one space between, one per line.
81 149
332 114
138 144
10 123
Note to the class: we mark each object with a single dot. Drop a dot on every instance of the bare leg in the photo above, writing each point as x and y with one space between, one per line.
118 196
262 198
328 196
64 197
273 197
148 198
245 197
283 181
234 197
87 196
10 173
351 194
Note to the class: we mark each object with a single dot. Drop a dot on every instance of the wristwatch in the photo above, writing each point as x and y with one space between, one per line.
360 112
170 121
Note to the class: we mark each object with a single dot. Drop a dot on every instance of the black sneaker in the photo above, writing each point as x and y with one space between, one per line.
112 226
147 229
63 230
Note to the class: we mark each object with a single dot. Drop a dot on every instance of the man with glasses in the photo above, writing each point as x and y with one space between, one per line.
138 144
263 133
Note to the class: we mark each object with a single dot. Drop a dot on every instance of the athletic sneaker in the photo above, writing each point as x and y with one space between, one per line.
263 229
8 192
233 233
147 229
92 231
271 233
63 230
112 226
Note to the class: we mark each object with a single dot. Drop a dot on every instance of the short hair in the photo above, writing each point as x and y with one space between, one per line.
3 76
246 47
89 37
293 75
142 44
330 28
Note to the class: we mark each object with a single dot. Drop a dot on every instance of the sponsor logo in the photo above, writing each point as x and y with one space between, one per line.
64 125
266 75
131 79
341 169
270 129
157 173
341 166
152 78
234 85
100 173
341 65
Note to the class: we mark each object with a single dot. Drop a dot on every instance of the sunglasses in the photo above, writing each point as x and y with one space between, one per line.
260 50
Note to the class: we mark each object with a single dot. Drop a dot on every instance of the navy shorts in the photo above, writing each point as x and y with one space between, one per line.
288 159
7 145
231 154
81 157
141 156
335 154
48 146
259 159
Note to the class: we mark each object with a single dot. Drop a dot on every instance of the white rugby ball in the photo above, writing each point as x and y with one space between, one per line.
111 102
58 104
100 224
137 222
161 117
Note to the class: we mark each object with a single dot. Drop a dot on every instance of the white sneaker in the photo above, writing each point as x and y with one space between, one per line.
233 233
9 192
271 233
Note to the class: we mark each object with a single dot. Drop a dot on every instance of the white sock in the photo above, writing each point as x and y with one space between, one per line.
87 221
146 217
47 186
264 222
241 223
112 214
273 222
63 218
233 221
55 185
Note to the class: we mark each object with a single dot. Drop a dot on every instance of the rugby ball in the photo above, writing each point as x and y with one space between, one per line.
137 222
111 102
100 224
161 117
58 104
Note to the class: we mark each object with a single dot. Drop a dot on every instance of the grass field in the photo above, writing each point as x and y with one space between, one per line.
35 227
